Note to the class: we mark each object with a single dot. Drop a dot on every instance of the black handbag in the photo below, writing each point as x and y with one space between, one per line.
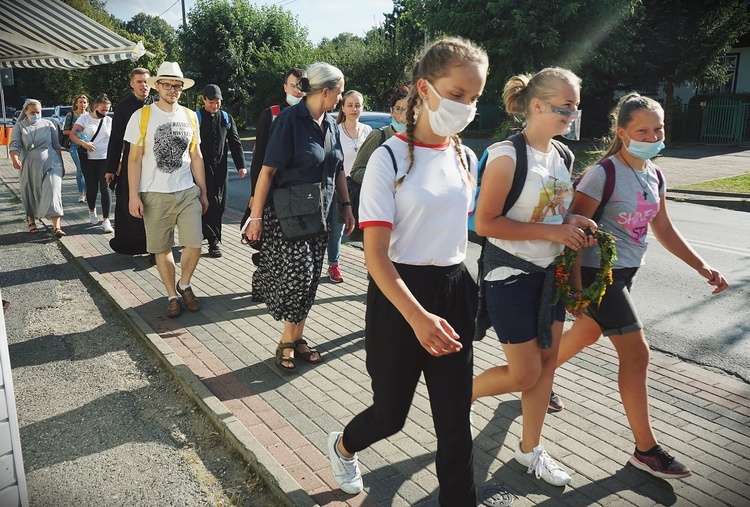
83 152
301 208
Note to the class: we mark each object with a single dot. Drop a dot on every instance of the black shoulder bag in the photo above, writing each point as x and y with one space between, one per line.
301 208
83 152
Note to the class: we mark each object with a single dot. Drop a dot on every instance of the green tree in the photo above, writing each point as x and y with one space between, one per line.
242 48
155 31
685 41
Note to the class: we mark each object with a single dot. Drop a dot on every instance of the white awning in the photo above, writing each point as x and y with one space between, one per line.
48 34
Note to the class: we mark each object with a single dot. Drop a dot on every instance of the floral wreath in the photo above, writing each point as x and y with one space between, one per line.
576 299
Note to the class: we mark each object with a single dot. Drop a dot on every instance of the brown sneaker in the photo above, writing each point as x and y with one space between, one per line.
191 302
173 308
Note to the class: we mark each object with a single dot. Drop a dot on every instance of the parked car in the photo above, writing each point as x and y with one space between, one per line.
374 119
60 113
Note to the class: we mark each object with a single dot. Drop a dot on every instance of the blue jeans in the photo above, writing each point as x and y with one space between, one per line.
335 238
73 150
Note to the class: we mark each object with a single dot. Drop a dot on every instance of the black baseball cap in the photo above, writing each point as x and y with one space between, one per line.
212 91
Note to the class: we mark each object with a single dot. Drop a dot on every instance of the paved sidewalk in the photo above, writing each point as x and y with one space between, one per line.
223 355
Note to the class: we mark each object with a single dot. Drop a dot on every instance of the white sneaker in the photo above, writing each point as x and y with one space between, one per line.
106 226
543 466
81 198
94 219
345 471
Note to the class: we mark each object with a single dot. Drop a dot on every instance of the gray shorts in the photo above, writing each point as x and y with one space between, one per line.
616 314
163 211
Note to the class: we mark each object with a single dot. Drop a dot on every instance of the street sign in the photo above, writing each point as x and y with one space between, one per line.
6 77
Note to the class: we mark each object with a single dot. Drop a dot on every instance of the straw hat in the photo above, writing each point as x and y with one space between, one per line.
170 70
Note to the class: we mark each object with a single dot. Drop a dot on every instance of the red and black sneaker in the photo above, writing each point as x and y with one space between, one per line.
659 463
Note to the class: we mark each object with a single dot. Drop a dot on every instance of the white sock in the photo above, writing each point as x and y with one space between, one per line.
183 287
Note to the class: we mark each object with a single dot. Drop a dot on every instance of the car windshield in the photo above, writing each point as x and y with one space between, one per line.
47 112
65 110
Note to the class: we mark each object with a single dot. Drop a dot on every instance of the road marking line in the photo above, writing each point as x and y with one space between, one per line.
719 248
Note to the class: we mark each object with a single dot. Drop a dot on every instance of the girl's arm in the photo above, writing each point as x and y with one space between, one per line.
668 235
75 139
489 221
342 192
433 332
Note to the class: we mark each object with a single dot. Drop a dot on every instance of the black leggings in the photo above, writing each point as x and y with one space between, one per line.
94 173
395 361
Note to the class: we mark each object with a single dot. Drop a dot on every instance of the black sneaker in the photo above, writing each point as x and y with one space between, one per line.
214 250
659 463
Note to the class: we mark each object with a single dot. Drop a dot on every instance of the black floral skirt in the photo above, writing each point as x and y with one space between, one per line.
288 272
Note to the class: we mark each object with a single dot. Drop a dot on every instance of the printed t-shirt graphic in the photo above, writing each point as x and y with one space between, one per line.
170 143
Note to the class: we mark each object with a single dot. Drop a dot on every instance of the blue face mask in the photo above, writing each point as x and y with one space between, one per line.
398 127
32 118
644 150
292 100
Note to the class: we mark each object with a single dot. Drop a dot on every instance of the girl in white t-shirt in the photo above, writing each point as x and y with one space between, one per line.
531 234
96 126
352 134
416 195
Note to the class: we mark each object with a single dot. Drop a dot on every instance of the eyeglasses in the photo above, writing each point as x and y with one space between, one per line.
398 109
563 112
168 86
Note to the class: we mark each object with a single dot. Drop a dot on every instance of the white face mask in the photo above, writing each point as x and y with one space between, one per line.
292 100
451 117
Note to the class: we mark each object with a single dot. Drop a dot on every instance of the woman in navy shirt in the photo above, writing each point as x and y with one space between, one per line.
289 271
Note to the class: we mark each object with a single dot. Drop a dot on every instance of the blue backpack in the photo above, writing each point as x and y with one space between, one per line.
223 114
519 177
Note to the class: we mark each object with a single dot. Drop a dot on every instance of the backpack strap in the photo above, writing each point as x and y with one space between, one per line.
194 124
393 158
226 119
199 115
564 152
660 176
143 126
382 135
519 176
275 111
610 177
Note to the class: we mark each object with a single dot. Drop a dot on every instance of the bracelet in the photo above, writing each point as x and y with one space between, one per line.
347 203
251 219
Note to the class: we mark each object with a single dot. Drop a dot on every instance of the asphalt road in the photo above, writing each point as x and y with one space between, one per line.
100 422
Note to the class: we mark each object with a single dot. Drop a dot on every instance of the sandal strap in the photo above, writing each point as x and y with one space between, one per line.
299 342
286 345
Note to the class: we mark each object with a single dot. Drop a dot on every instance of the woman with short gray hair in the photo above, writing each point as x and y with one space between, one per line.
31 143
304 147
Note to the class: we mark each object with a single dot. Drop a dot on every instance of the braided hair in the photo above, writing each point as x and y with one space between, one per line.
434 64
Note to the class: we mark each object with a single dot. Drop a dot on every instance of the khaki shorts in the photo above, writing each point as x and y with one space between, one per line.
162 212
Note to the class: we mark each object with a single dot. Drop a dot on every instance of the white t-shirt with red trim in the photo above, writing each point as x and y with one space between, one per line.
546 196
427 212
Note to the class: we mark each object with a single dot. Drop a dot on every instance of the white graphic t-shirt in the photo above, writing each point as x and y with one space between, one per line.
546 196
166 158
635 202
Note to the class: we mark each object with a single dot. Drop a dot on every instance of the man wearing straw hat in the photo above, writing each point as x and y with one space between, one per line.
167 182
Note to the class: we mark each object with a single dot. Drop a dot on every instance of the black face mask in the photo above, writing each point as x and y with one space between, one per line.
99 115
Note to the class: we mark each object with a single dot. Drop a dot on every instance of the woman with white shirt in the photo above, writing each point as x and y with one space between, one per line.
96 128
353 134
416 194
522 243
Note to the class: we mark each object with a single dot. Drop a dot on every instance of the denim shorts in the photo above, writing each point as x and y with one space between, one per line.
513 306
616 314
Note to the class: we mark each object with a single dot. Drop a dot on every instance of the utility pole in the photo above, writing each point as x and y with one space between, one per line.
184 18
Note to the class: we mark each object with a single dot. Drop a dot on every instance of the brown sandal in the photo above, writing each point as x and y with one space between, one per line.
306 356
280 359
32 228
59 233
